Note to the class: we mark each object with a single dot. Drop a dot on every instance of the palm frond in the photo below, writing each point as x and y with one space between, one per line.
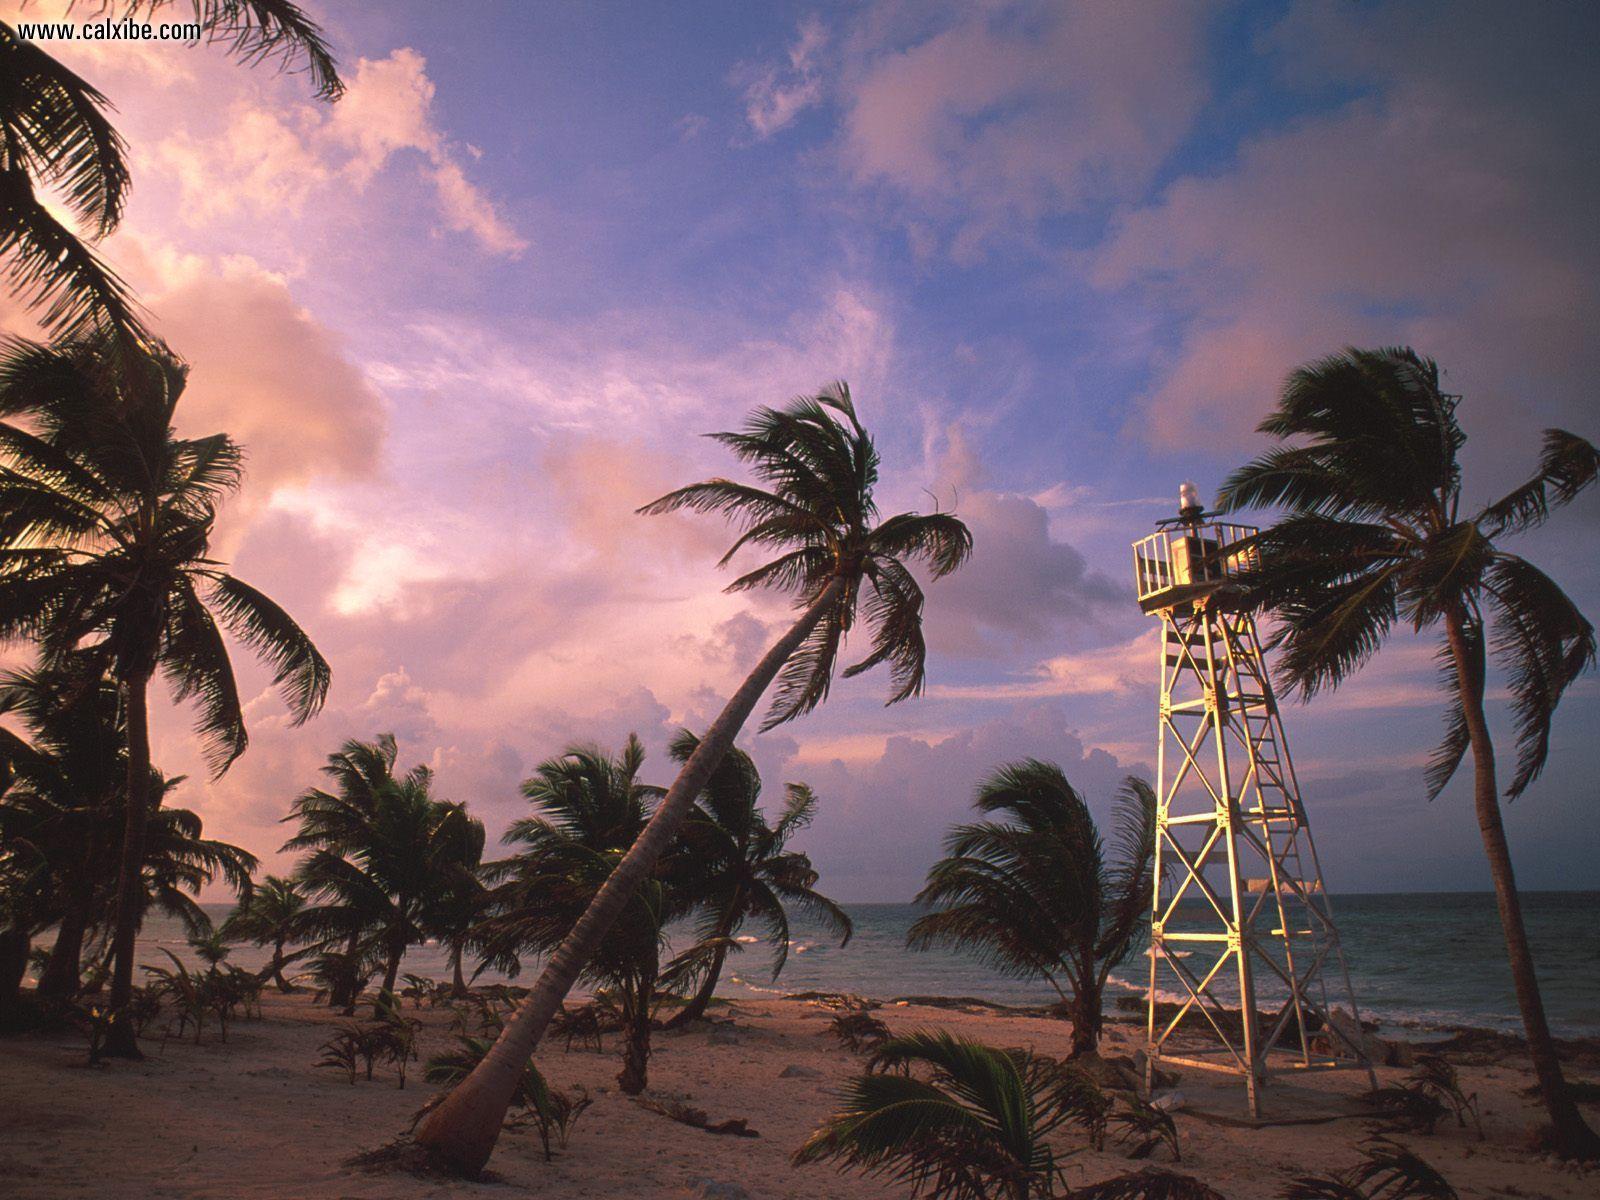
1567 465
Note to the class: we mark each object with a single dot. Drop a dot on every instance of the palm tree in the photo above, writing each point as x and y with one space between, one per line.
65 786
55 136
744 870
1373 532
1034 897
276 915
591 809
974 1128
105 520
820 468
386 854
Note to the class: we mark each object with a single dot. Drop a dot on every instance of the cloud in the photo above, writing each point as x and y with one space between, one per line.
1448 206
267 156
271 375
1015 111
776 95
880 819
1022 585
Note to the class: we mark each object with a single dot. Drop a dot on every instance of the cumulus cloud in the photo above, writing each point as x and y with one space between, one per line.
1015 111
273 376
270 156
881 817
1448 206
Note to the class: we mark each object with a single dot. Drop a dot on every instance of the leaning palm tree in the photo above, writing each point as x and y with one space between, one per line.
385 852
276 915
1374 533
56 137
820 469
1033 895
590 808
105 523
952 1118
744 871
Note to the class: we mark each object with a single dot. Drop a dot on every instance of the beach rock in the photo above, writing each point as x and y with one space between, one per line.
710 1189
1169 1101
1374 1047
795 1071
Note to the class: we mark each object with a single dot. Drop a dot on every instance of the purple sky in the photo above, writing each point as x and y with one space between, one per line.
471 316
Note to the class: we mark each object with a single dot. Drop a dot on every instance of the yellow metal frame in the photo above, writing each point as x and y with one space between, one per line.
1232 836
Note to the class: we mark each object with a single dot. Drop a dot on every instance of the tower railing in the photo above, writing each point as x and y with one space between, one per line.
1185 554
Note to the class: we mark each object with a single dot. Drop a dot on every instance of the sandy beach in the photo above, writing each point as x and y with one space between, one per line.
255 1118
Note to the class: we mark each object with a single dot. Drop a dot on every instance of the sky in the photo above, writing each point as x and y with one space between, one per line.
471 316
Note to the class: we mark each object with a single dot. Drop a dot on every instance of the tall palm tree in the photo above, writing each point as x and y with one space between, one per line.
65 790
952 1118
820 468
744 869
1374 533
105 523
385 852
276 915
1033 895
591 809
55 136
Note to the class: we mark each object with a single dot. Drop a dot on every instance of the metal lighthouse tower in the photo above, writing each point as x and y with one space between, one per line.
1239 923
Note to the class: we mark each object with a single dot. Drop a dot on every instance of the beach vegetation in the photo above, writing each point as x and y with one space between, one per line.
814 506
1033 894
739 869
98 491
1375 535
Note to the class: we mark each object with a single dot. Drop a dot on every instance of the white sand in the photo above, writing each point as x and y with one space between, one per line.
255 1118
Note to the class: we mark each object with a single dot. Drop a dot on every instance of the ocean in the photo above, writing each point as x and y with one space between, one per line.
1421 962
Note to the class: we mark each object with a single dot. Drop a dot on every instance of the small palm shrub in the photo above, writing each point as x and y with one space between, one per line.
964 1121
342 1051
1387 1171
859 1032
1430 1093
1143 1129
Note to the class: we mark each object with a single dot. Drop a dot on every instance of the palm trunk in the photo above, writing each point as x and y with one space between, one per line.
1573 1137
278 964
120 1039
14 943
392 973
59 979
696 1008
461 1132
635 1074
458 981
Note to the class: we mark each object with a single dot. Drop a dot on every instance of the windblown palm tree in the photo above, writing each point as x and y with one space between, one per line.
744 871
1374 534
55 136
1034 897
591 809
105 523
277 914
386 854
952 1118
820 468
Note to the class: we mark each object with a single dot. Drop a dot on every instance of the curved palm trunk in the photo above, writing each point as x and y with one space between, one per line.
59 979
458 980
461 1132
696 1008
120 1040
1573 1137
